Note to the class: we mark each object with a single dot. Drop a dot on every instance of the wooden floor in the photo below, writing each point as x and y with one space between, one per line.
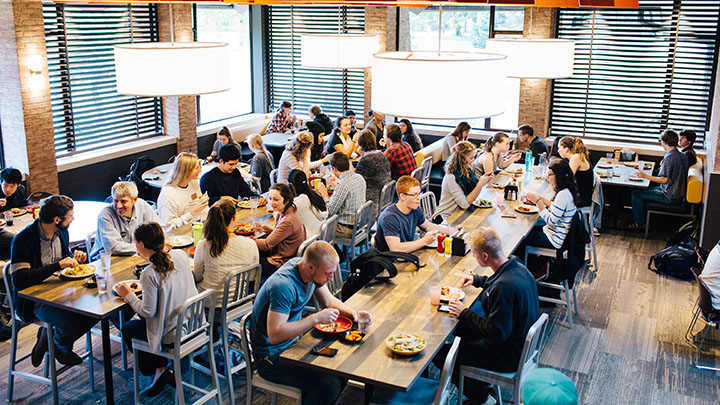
627 347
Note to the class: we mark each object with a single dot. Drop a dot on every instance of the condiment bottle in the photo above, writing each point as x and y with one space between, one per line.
448 245
440 245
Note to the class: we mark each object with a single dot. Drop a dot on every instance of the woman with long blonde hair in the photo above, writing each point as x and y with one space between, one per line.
181 201
297 156
460 186
262 163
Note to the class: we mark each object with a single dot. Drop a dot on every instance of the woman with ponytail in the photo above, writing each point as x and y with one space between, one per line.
460 186
166 283
221 251
310 204
495 155
574 150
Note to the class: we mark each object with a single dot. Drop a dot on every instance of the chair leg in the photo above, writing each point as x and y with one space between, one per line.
647 224
568 304
213 370
88 348
50 359
228 368
179 390
499 398
594 251
273 398
688 333
461 389
123 351
575 304
136 377
13 355
697 352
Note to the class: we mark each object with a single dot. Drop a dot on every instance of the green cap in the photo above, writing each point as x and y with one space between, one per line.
547 386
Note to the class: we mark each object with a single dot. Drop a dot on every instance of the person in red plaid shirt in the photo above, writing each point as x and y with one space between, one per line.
283 120
399 153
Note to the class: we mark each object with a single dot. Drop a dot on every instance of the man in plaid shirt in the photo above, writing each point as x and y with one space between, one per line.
349 194
283 120
399 153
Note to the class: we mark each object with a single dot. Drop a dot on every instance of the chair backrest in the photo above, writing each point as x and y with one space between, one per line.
238 292
191 320
273 177
387 195
443 393
531 349
247 348
361 227
426 167
8 288
428 204
327 230
417 174
258 187
305 244
704 298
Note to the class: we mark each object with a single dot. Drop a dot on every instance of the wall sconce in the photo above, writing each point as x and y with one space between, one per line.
35 64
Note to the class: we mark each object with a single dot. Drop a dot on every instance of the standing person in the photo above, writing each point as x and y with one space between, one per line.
409 135
225 180
460 133
12 195
341 141
376 124
167 283
526 134
117 222
277 321
672 178
310 204
181 201
349 194
686 141
351 116
220 252
397 224
283 119
224 137
283 241
495 155
297 156
460 187
262 163
373 166
574 150
494 336
38 251
316 114
399 153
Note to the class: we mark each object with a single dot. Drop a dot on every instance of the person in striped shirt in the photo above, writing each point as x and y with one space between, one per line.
556 215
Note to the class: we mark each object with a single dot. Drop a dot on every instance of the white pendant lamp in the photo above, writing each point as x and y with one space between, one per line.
338 51
535 58
163 69
438 85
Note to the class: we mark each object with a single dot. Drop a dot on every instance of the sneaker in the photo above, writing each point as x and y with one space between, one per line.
157 386
40 348
596 232
68 358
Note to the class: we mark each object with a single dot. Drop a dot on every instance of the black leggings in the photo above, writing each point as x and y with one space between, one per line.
267 268
146 362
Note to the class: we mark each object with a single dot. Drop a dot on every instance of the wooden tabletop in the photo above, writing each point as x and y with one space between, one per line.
158 175
403 304
85 220
622 171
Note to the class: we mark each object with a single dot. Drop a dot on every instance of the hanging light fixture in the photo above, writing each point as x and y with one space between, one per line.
164 69
338 51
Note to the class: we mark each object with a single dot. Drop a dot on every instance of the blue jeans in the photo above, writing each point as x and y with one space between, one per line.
67 326
317 388
640 198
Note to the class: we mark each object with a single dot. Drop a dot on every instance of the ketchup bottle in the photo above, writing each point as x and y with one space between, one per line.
441 246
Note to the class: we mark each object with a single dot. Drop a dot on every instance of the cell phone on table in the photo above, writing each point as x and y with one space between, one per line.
321 350
444 308
508 216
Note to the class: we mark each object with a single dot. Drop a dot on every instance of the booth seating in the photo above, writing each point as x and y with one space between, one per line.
693 198
433 150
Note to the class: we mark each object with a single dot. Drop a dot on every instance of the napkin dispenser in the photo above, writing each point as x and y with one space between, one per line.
459 247
627 155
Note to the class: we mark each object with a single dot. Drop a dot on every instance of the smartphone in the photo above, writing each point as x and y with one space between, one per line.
508 216
444 308
497 171
324 351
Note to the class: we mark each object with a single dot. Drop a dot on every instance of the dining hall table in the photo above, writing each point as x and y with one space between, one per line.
403 303
619 179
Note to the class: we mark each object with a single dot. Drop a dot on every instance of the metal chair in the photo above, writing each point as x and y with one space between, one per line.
387 195
360 232
588 214
197 332
241 286
51 372
424 179
256 184
254 379
425 390
327 230
564 286
305 244
273 177
528 362
428 204
709 315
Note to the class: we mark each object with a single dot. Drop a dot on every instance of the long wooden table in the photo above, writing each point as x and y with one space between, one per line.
403 304
85 221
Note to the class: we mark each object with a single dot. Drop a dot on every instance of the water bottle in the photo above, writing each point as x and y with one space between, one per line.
528 160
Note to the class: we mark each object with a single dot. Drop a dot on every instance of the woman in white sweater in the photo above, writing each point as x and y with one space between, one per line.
297 156
167 282
221 251
310 205
181 201
460 187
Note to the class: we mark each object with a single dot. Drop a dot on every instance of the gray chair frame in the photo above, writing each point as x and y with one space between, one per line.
387 195
428 205
327 230
426 166
305 244
570 301
588 214
703 306
360 232
273 177
690 215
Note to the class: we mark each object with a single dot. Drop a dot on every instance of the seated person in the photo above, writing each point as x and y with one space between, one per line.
686 141
460 187
225 180
409 135
574 150
399 153
117 222
283 120
277 321
220 252
493 335
181 201
376 125
262 163
224 137
496 155
282 242
38 251
374 167
341 140
460 133
311 206
297 156
672 178
12 195
351 115
711 276
167 283
537 145
397 224
316 114
349 194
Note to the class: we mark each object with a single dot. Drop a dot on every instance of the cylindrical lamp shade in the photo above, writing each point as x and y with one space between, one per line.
438 86
535 58
338 51
163 69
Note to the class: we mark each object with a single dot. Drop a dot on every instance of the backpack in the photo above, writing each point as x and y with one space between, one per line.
686 235
141 165
372 264
674 261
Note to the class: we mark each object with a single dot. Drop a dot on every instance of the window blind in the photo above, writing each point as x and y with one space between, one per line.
335 90
87 111
637 71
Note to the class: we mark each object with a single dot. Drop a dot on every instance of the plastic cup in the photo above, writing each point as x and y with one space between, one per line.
9 218
101 278
435 295
363 321
499 197
641 165
254 203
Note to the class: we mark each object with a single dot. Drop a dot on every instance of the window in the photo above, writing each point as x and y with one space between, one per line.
229 24
466 29
637 72
335 90
87 111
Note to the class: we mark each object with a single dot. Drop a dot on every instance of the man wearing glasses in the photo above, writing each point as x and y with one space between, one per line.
397 224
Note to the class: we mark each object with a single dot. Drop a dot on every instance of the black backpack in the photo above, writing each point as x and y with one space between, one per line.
371 265
674 261
686 235
141 165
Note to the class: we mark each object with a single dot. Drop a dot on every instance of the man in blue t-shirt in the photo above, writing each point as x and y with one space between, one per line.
277 321
397 224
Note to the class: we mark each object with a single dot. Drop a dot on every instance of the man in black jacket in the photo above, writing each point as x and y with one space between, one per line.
316 114
37 252
493 338
225 180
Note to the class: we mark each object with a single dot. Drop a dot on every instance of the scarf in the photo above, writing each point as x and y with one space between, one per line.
466 183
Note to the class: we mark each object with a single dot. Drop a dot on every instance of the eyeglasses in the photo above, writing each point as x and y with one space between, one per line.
414 195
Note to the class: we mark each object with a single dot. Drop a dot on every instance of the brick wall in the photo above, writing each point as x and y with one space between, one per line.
380 21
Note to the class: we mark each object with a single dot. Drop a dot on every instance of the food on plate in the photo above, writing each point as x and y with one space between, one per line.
17 211
331 327
31 208
244 229
483 203
342 324
81 270
497 185
524 208
451 293
353 336
132 285
244 204
405 343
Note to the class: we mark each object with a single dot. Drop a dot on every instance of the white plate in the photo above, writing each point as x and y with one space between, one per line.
531 209
633 178
475 203
604 166
454 293
91 271
181 241
128 283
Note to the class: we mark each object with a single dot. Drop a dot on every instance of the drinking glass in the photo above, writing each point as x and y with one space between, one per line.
254 203
435 295
364 319
641 165
9 218
101 278
499 197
